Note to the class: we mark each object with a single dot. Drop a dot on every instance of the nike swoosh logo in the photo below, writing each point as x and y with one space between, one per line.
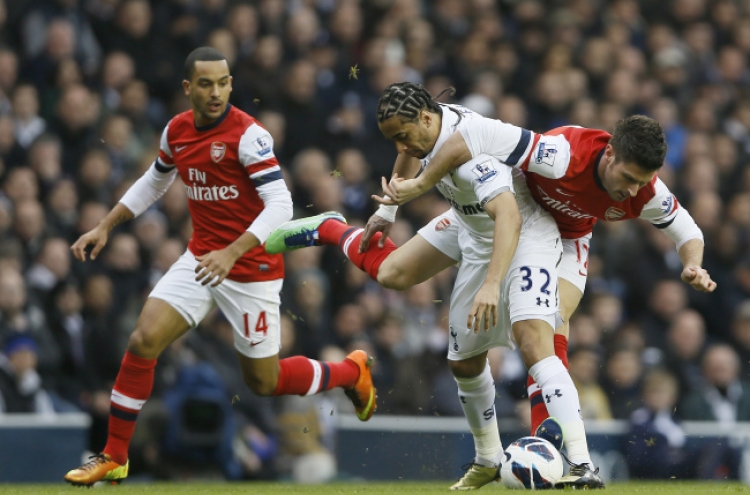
253 344
563 192
180 148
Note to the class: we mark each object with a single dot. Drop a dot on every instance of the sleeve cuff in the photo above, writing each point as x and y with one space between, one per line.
260 230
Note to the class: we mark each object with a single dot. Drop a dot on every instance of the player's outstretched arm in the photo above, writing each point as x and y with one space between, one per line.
98 235
451 155
504 210
691 254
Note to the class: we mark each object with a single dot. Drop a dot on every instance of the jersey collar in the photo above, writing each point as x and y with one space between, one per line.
598 161
216 122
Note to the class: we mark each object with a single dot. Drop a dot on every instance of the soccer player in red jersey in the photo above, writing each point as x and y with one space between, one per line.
580 176
236 196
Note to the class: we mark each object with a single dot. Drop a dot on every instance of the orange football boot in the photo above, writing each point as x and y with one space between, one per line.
362 394
101 467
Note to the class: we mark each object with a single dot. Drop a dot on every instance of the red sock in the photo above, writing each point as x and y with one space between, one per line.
561 348
132 388
538 409
302 376
333 232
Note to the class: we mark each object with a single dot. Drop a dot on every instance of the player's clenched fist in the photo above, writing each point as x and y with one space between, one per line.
698 278
97 237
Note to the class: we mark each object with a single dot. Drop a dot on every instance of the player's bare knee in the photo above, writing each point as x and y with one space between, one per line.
393 278
467 368
534 341
262 386
143 344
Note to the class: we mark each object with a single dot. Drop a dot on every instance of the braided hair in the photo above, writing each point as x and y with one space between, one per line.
406 99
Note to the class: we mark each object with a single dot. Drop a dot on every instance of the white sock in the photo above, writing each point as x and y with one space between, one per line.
477 396
561 398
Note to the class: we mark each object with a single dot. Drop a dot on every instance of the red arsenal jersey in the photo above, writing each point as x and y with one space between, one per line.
221 165
561 171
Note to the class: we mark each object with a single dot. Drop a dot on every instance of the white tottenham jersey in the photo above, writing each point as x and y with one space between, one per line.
469 187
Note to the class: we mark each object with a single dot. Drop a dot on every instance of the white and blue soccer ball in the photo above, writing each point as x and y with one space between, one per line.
532 463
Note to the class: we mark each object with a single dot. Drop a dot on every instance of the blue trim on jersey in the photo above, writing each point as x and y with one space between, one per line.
517 153
266 178
164 169
216 122
666 224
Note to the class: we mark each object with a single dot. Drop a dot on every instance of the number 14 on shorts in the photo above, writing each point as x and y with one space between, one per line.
260 328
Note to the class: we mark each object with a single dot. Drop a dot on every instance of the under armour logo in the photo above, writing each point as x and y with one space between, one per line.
463 399
556 394
539 301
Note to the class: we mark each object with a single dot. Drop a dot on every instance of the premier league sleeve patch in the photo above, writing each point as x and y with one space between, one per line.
546 153
550 157
484 171
263 146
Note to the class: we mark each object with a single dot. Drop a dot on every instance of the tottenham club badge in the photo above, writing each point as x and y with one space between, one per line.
217 151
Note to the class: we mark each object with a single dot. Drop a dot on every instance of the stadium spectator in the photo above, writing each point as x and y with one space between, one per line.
21 389
621 382
686 340
724 397
584 370
656 445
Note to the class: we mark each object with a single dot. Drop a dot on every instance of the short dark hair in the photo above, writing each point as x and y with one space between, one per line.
202 54
405 99
639 139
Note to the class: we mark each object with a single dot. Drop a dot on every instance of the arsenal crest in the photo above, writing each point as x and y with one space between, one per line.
613 214
217 151
443 224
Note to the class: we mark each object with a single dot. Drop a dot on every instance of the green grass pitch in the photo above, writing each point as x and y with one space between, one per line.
358 488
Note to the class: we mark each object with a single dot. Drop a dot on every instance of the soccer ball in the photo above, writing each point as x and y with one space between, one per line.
531 462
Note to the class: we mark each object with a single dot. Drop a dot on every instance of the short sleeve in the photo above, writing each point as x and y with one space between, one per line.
507 143
663 207
165 161
550 157
487 176
256 155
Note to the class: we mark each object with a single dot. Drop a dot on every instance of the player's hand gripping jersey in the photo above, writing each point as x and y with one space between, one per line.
561 172
231 175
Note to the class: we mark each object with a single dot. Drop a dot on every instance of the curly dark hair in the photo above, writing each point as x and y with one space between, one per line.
639 139
406 99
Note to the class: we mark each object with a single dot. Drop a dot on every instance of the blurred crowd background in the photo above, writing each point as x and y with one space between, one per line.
86 87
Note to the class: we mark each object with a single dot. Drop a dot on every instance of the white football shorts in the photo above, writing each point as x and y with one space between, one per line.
442 233
575 261
252 308
528 292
